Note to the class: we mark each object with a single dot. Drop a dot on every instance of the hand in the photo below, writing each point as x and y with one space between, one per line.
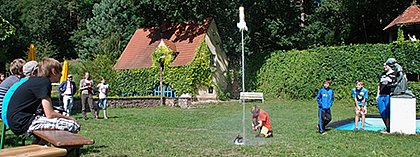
377 98
358 107
364 110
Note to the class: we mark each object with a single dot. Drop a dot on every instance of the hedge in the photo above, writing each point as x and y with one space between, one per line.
298 74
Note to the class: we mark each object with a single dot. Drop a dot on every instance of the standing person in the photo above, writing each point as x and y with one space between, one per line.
86 96
360 96
103 92
16 70
385 88
412 37
261 122
325 100
67 89
32 94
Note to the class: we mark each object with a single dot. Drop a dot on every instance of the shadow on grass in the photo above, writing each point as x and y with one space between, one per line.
92 149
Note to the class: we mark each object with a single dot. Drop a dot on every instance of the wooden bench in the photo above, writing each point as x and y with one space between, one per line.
64 139
33 151
252 96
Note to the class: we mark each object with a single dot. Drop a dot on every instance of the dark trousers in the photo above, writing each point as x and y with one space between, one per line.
88 98
324 116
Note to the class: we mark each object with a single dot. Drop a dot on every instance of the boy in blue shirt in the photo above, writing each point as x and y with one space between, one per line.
360 96
325 99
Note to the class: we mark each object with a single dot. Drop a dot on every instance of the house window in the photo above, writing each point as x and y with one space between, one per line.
211 90
213 60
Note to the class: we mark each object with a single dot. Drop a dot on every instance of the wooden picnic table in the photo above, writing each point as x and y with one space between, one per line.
64 139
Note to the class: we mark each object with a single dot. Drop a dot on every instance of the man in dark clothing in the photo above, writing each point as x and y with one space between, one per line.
385 88
67 89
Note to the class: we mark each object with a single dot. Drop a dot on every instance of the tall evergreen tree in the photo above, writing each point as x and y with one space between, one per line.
109 30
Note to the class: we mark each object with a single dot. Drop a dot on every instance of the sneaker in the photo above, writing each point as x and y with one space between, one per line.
324 133
384 132
361 129
355 129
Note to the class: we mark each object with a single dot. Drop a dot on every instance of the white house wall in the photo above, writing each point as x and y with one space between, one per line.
213 42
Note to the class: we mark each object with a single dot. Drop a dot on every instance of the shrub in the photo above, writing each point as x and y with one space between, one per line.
299 74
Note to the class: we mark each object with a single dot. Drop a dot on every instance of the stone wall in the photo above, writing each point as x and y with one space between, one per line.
126 102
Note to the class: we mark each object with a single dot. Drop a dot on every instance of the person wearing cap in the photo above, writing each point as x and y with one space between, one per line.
35 93
325 100
67 89
16 73
385 88
29 69
261 122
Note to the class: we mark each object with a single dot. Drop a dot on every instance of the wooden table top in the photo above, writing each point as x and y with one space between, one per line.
61 138
33 151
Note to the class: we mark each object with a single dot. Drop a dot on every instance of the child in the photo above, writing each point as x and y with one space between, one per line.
360 96
261 122
103 91
325 99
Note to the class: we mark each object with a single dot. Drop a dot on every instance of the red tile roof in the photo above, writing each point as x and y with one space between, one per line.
411 15
183 38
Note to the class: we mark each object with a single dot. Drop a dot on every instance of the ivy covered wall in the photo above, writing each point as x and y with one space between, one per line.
183 79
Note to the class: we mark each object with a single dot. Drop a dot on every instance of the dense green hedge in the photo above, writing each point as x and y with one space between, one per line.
298 74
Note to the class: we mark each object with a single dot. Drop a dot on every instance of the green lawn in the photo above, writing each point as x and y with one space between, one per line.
209 130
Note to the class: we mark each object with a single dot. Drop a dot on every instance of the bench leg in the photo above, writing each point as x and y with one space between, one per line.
3 135
77 151
73 151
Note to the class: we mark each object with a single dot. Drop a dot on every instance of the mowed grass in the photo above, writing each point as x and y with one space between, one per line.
209 130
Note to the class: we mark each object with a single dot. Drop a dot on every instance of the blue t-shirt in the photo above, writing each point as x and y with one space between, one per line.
360 95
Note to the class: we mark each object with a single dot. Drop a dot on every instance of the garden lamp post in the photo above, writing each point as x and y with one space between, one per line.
161 62
242 26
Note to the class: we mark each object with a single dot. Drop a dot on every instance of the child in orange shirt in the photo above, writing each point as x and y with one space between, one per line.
261 122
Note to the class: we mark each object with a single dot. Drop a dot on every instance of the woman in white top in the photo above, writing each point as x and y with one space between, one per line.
103 89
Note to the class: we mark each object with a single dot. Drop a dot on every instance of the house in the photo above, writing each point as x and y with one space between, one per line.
410 19
183 38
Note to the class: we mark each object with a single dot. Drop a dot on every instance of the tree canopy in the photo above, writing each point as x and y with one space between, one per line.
85 28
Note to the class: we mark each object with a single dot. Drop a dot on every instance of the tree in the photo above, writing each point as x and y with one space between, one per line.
49 25
109 30
6 29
